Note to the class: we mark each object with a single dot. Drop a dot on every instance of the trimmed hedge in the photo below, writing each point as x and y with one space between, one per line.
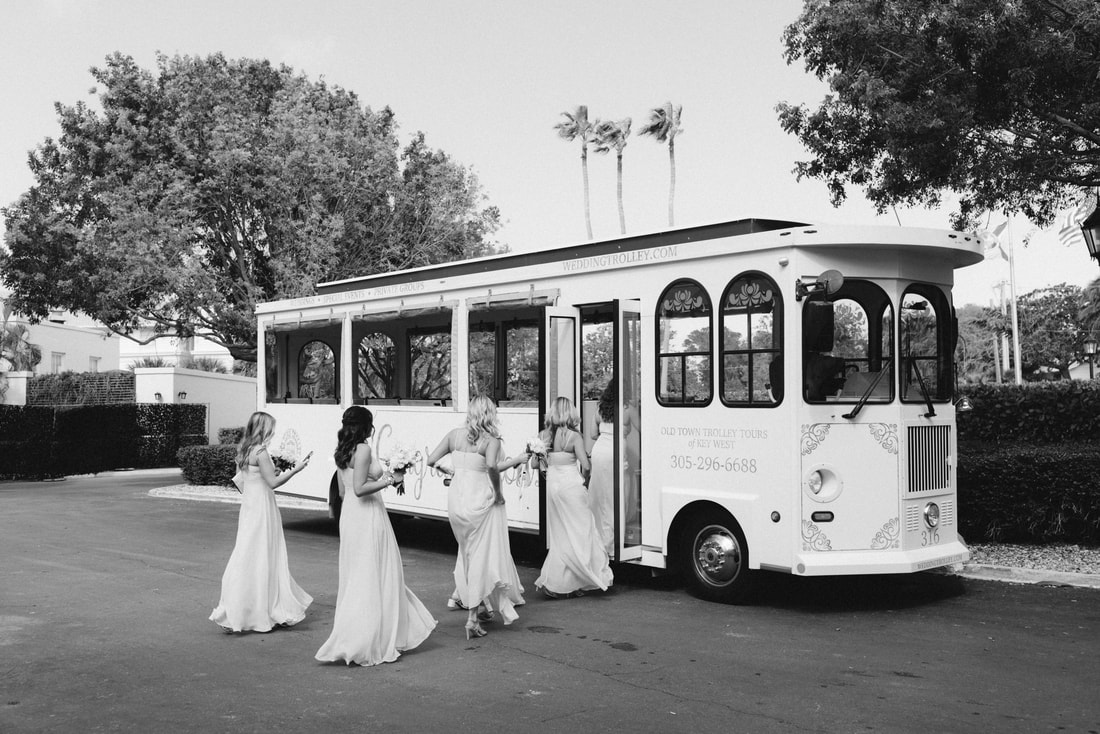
1029 493
1028 462
1046 412
208 465
52 441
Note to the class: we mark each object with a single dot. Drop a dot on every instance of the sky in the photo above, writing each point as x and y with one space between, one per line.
486 81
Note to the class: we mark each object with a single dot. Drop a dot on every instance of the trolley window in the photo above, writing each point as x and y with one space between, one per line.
925 344
751 351
847 344
684 345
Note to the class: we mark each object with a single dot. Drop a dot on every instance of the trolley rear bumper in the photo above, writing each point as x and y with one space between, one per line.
841 563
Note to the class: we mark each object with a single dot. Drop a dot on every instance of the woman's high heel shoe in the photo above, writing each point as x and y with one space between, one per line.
484 614
473 629
453 604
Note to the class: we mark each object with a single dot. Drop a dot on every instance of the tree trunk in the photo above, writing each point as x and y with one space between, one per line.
671 181
584 171
622 214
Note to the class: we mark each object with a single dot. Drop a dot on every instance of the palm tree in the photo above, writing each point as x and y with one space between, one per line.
610 135
664 124
576 125
16 348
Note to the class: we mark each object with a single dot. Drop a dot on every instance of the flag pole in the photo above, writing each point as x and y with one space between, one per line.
1017 371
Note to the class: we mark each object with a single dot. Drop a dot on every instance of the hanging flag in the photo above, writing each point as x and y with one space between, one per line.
1070 232
993 244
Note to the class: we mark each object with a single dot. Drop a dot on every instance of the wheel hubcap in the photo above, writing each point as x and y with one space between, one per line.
717 556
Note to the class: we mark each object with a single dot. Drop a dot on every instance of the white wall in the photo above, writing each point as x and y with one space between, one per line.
229 399
77 344
172 349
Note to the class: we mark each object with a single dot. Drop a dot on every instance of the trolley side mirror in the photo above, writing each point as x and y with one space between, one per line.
828 283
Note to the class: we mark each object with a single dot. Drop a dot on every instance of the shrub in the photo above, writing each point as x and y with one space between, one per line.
208 465
207 364
81 388
232 436
1029 493
151 362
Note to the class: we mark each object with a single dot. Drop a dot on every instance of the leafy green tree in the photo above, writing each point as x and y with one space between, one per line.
614 134
664 125
998 102
576 126
213 185
1052 335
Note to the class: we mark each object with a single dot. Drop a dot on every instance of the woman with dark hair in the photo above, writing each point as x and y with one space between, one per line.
258 592
377 617
485 575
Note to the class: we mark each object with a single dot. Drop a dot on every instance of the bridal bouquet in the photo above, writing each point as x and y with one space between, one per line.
537 447
398 460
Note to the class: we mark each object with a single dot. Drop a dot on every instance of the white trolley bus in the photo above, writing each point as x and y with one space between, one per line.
784 390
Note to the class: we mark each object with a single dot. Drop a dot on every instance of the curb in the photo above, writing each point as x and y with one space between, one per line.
231 496
1038 576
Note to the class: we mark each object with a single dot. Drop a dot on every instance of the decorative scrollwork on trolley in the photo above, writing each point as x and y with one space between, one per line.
886 435
889 536
683 300
813 436
750 294
813 538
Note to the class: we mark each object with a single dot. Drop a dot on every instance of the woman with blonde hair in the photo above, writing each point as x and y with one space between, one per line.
377 617
485 574
576 560
258 592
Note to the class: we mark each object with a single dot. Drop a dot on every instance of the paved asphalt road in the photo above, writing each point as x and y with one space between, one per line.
105 592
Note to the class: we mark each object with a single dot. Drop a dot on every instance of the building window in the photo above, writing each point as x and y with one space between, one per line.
751 349
684 345
56 360
93 364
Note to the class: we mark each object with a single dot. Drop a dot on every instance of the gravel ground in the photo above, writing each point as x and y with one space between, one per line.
1061 558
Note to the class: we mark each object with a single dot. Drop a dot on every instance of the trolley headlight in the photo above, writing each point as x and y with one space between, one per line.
931 514
822 483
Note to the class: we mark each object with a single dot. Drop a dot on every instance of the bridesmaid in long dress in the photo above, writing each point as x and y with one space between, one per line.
576 560
377 617
485 574
258 592
601 482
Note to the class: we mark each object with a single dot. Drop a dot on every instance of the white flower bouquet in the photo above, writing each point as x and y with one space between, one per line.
397 461
537 447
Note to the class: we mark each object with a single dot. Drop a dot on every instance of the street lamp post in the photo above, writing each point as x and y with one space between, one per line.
1090 352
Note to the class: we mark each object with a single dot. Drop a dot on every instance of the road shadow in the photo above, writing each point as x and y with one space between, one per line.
780 591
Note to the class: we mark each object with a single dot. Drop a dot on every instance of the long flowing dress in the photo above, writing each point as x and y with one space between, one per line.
258 592
377 617
601 485
576 559
484 571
